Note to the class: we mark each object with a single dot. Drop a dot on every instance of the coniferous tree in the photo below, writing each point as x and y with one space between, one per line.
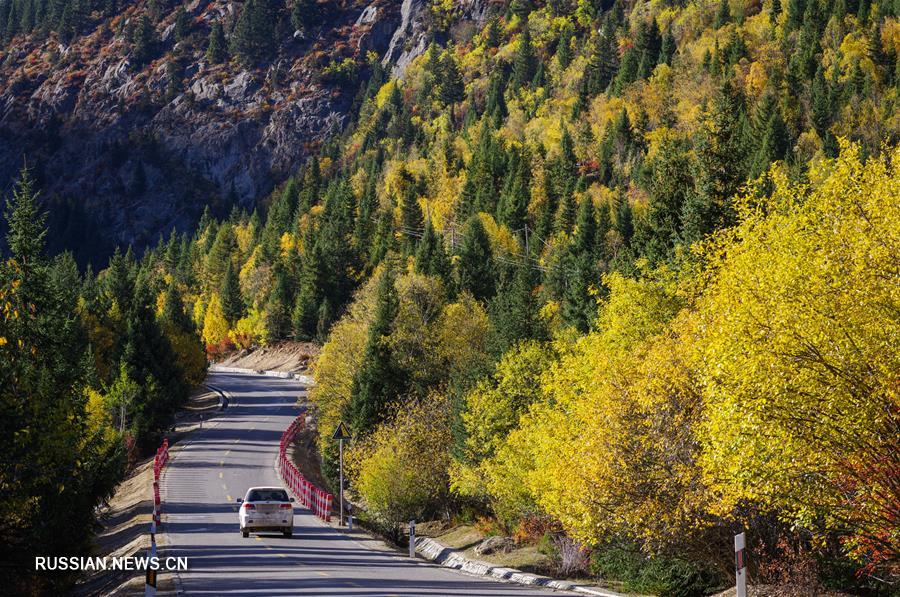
452 88
379 382
669 185
525 61
648 44
720 166
668 48
564 45
173 312
578 304
475 269
182 24
232 300
723 14
143 40
304 14
216 50
431 258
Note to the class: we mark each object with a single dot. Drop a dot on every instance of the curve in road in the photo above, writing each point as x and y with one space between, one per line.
238 450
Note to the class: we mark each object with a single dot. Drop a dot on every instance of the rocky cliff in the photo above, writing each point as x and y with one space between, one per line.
126 150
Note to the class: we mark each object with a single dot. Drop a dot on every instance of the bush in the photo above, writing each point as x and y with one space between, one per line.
661 575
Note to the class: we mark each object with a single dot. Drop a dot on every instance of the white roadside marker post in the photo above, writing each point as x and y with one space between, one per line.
412 538
740 564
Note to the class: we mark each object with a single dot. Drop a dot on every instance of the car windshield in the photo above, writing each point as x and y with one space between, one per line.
268 495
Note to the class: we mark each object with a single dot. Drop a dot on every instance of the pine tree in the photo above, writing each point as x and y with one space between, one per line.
452 88
232 300
143 40
648 44
431 258
278 307
525 61
410 216
216 50
379 382
668 48
723 15
304 14
564 46
254 38
669 184
475 269
182 24
720 168
173 312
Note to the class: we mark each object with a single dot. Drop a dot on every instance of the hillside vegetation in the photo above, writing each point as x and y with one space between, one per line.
615 277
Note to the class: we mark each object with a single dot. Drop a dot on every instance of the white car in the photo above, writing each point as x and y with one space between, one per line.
266 509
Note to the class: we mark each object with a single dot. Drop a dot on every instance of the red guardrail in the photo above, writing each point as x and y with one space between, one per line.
159 463
316 499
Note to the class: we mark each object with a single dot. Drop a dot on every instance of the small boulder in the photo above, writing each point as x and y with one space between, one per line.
495 545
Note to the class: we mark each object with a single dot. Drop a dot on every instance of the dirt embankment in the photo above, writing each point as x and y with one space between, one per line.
292 357
124 522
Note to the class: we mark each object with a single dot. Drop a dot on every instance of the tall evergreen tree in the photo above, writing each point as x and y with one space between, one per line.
230 294
525 61
475 269
379 382
216 49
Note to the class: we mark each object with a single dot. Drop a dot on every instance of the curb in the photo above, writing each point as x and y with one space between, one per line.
304 379
438 553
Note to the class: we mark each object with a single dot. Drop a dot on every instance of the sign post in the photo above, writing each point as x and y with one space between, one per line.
740 564
341 434
412 538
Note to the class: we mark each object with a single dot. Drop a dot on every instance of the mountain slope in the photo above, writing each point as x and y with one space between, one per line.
133 131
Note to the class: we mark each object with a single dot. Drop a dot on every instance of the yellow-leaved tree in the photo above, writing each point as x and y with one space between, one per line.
798 346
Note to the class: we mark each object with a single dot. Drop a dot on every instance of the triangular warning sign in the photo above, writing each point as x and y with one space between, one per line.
341 432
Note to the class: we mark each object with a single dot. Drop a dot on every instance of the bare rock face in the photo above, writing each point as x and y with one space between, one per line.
134 150
409 40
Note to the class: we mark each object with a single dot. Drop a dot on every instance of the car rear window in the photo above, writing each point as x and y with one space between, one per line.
268 495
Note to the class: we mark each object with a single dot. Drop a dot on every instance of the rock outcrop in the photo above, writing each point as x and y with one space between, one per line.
135 150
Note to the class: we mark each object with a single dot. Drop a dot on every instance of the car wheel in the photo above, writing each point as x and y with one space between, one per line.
245 533
288 533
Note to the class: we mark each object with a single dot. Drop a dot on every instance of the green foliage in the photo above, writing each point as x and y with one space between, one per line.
216 49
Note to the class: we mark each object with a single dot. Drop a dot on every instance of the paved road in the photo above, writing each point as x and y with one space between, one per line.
238 450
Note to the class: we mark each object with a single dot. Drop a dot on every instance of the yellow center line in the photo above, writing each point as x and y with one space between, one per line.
323 573
225 487
221 475
237 440
258 538
227 453
281 555
221 463
228 498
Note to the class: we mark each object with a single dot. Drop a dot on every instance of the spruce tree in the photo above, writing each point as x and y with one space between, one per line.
564 46
720 168
452 88
379 382
475 269
143 40
230 295
173 312
182 24
431 258
525 61
216 50
723 14
304 14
